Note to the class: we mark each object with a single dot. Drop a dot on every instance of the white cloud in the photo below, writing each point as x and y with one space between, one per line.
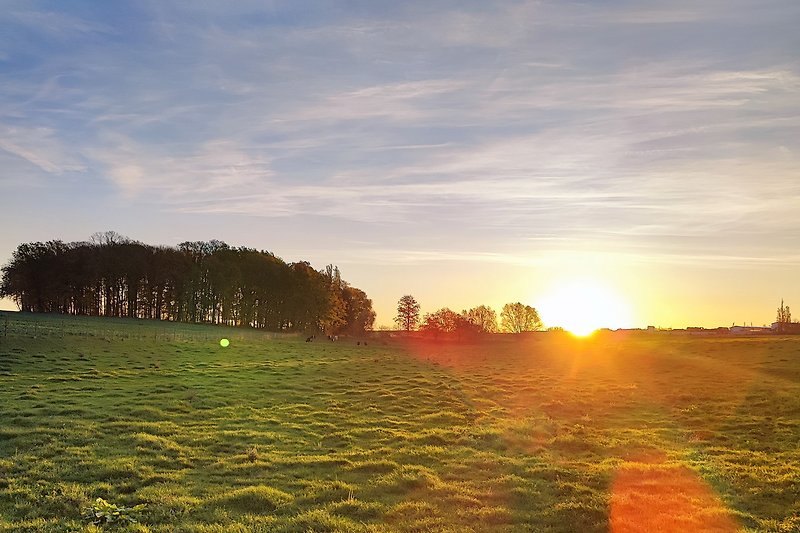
524 118
209 171
39 147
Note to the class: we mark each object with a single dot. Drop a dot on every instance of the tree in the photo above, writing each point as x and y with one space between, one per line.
442 321
784 314
309 302
335 319
104 238
516 318
784 318
483 317
360 316
446 320
407 317
198 281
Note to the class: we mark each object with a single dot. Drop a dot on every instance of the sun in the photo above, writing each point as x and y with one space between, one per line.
584 306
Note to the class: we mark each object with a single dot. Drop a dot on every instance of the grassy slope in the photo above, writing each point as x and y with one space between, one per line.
545 433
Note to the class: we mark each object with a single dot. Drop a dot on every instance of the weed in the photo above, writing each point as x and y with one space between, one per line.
102 512
252 454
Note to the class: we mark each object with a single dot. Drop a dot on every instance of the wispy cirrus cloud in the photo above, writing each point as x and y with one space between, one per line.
52 23
40 147
614 122
208 170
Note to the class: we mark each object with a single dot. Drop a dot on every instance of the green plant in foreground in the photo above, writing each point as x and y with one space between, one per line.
101 512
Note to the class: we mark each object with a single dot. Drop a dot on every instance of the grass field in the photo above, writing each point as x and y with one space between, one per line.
529 433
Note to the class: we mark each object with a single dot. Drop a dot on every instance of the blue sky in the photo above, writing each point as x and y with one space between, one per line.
464 152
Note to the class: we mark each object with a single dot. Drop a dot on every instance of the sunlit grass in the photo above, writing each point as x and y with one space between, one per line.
543 432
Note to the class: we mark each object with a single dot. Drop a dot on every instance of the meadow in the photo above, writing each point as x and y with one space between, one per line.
537 432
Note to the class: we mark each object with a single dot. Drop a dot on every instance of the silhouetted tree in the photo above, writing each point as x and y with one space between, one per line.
784 317
407 317
335 319
784 314
201 281
516 318
360 316
448 321
308 302
106 238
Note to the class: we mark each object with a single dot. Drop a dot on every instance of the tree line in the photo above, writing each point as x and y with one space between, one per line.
201 281
514 318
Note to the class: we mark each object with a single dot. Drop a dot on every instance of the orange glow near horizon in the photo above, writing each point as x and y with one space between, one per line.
582 306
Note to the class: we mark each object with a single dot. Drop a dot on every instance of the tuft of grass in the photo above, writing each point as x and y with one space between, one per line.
321 521
252 454
376 466
259 499
357 510
406 479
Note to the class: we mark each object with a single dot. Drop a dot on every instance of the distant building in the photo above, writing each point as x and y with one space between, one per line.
693 330
789 328
750 330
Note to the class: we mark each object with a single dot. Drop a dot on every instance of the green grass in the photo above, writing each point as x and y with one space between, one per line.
530 433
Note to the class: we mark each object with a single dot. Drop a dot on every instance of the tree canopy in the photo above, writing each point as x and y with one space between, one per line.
483 317
200 281
444 320
517 317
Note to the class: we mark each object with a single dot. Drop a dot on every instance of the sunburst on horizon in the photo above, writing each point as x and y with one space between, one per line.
582 306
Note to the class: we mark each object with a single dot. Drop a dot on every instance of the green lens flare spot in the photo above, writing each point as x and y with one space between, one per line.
224 343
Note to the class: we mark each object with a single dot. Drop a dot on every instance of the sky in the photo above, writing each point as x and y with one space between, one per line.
464 152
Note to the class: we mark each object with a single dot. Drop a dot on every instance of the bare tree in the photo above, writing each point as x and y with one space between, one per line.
784 317
105 238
